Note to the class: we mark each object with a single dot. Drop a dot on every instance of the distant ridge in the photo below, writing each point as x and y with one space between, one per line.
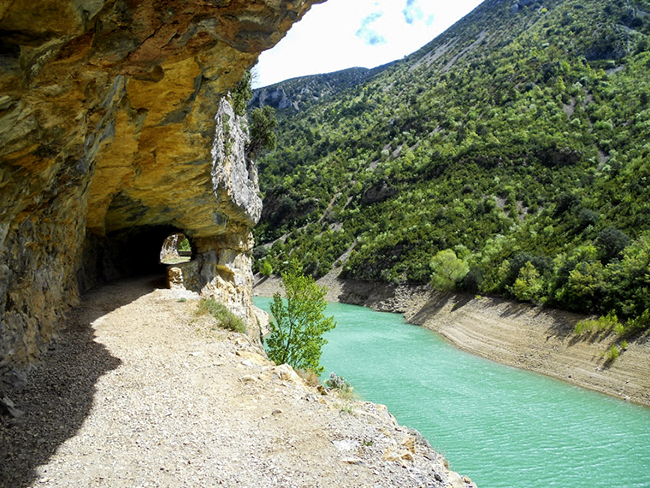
298 93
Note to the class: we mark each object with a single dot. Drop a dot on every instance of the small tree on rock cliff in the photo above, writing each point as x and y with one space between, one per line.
299 323
241 94
262 126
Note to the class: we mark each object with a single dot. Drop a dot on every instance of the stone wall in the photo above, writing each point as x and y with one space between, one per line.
107 143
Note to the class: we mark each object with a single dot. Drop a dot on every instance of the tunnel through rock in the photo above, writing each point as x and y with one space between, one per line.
176 249
113 137
126 253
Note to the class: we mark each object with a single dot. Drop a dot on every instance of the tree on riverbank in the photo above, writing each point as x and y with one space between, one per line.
447 270
299 322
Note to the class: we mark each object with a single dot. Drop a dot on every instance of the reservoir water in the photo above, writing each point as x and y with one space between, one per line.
502 427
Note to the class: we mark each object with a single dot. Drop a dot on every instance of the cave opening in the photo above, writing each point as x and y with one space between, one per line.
176 249
132 252
140 249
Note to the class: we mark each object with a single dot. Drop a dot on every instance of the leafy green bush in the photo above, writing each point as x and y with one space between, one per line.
184 245
225 317
262 126
266 269
611 243
447 270
529 285
298 324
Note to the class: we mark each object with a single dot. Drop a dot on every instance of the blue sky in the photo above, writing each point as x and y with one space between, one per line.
341 34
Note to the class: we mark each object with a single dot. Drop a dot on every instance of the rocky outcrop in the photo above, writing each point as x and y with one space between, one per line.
273 97
107 146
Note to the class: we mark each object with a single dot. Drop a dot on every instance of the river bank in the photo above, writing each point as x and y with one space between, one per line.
511 333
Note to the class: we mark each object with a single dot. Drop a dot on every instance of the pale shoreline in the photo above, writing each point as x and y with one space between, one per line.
511 333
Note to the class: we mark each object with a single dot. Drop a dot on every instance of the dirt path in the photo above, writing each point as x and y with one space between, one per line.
516 334
140 391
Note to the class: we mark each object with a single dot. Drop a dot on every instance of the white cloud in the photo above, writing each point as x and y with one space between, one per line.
412 11
341 34
367 33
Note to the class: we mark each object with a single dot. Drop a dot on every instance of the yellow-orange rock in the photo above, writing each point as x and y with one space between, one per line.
111 138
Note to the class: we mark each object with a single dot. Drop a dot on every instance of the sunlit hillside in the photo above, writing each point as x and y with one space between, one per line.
519 140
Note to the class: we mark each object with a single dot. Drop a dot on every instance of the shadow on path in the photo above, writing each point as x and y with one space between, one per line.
58 394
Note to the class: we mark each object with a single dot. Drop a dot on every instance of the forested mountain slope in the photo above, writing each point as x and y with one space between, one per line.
518 142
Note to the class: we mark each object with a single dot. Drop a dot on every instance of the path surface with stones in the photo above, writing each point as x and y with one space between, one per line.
139 390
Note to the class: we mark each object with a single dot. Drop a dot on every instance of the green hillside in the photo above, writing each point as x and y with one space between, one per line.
519 139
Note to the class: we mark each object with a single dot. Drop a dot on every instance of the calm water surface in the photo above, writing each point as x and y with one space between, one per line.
501 426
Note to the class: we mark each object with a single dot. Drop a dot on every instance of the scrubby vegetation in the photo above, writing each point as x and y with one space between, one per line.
298 322
336 382
241 94
184 245
518 141
220 312
262 125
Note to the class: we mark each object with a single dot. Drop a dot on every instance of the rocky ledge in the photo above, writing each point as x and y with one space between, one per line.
141 391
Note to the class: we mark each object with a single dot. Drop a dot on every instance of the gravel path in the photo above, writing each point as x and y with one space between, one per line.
141 391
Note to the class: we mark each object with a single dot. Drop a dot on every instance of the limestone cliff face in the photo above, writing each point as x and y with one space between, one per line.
107 145
222 263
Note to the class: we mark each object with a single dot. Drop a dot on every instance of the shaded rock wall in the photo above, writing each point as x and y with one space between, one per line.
107 145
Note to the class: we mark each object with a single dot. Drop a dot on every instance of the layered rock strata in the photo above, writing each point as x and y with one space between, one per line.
109 143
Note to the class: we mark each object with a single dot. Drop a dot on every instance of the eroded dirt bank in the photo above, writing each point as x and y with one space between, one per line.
140 391
516 334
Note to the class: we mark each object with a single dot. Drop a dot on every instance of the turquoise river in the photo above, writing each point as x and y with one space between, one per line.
502 427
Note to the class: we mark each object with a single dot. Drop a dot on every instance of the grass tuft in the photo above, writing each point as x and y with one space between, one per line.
612 353
225 317
601 324
309 377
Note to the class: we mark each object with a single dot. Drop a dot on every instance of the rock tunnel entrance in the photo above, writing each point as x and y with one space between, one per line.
132 252
176 249
139 249
218 266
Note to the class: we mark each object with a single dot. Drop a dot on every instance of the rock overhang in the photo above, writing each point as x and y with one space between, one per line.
109 112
